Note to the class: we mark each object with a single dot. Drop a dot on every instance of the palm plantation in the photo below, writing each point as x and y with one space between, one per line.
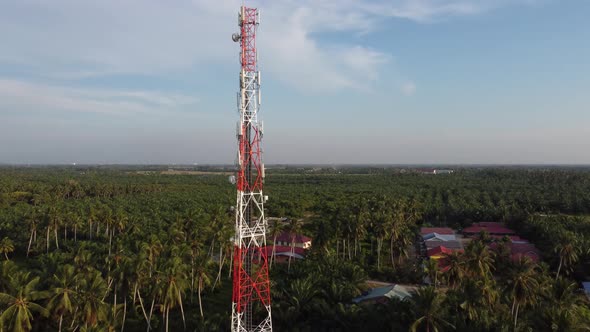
116 250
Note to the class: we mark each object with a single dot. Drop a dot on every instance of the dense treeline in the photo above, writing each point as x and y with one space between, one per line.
93 249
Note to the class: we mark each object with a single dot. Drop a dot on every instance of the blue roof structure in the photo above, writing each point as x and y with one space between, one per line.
384 292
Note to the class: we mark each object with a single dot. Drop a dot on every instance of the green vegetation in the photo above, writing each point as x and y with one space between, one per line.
105 249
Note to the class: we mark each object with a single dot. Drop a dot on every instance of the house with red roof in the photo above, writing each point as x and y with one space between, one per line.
519 250
438 230
438 252
492 228
301 241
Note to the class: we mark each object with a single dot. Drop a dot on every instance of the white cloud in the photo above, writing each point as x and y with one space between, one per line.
408 88
18 95
73 39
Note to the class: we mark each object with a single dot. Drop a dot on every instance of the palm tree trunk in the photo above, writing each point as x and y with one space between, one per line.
30 241
110 241
199 292
167 312
181 309
559 268
115 301
124 314
151 312
291 256
516 316
379 245
349 251
221 260
47 239
55 233
274 250
142 306
392 252
231 265
73 320
61 317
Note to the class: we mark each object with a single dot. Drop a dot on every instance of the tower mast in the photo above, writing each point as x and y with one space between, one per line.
251 309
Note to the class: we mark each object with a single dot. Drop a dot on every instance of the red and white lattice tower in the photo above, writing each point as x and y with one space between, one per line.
251 285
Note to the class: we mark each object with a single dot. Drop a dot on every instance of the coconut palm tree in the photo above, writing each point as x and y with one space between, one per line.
522 285
153 248
568 252
55 220
92 289
172 287
432 269
301 292
454 269
293 229
20 303
359 224
6 247
33 222
7 271
564 303
428 310
202 273
383 218
276 228
479 260
63 294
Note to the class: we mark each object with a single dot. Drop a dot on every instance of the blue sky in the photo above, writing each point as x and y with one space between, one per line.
344 81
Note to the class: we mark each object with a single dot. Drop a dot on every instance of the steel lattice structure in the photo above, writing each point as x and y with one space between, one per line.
251 309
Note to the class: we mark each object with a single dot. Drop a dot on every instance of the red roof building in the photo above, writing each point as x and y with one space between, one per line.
439 251
284 249
518 250
492 228
512 238
301 241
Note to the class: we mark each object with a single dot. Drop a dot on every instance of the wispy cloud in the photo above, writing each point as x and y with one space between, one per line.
21 96
77 39
408 88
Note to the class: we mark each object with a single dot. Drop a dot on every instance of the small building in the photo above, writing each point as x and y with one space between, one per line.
301 241
439 237
283 253
439 230
439 252
519 250
453 245
443 171
383 294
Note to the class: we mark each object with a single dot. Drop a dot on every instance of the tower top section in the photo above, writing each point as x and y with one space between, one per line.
248 20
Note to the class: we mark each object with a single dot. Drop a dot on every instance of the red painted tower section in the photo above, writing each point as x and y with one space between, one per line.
251 310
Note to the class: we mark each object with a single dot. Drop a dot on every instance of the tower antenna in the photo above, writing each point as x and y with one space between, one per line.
251 309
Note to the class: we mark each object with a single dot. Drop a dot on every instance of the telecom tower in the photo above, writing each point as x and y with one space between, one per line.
251 285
